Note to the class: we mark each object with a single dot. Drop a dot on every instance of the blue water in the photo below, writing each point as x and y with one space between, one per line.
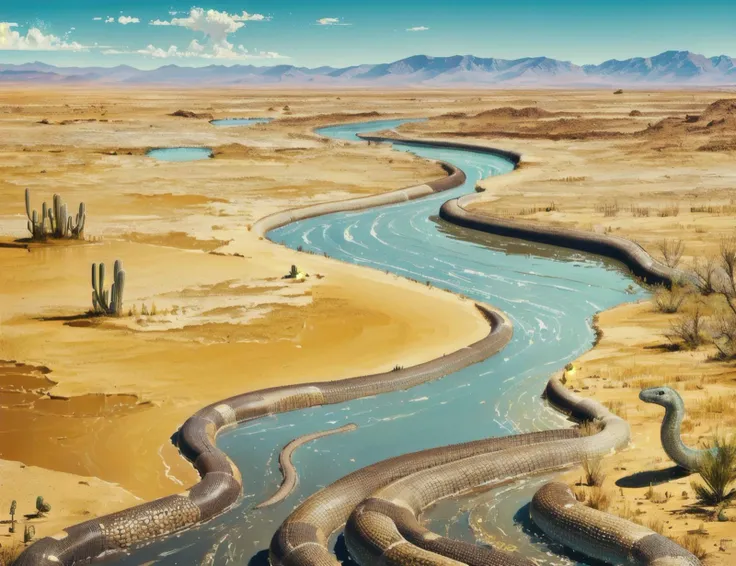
180 153
550 294
240 121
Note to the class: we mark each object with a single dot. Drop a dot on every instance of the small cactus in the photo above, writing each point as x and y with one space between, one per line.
108 302
28 533
13 507
41 506
293 273
60 224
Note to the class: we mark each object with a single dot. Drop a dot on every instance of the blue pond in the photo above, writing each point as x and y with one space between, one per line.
180 153
240 121
551 295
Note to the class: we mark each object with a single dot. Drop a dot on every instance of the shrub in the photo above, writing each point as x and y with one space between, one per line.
671 251
718 472
687 330
599 499
693 544
593 468
705 270
723 330
669 300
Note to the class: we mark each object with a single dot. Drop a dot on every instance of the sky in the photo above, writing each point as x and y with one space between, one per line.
150 33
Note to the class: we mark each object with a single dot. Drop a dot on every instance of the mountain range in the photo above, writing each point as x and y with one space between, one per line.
668 68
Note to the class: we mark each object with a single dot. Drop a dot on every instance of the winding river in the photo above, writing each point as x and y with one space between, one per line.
551 294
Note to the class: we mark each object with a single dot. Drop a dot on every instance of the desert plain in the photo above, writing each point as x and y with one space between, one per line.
88 405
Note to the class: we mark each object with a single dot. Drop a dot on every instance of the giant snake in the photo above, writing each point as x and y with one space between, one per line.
381 503
689 458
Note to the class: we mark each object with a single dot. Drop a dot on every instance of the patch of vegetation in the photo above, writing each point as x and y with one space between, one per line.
669 300
593 469
54 221
108 302
687 331
671 250
718 472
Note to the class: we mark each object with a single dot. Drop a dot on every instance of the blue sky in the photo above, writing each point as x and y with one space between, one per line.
152 33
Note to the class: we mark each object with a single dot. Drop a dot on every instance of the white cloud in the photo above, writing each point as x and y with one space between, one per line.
33 40
418 28
214 24
331 22
125 20
109 20
97 19
223 51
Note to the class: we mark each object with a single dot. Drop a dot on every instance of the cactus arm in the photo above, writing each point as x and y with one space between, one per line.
28 203
119 288
102 278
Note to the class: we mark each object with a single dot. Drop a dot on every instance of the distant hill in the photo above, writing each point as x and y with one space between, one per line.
669 68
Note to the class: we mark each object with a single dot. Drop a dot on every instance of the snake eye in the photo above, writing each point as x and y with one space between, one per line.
660 392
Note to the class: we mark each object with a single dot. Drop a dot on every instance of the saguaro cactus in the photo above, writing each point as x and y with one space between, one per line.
60 224
13 507
108 302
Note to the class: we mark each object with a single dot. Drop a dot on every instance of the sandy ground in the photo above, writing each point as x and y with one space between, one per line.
88 406
666 174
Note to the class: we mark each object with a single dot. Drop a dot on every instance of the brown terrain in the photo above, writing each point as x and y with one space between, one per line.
89 404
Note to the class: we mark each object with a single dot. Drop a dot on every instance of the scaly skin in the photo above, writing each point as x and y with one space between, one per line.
682 455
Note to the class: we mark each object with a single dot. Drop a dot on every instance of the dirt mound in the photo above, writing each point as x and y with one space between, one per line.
190 114
719 110
509 112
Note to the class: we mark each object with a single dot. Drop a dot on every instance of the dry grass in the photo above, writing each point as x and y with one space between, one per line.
718 473
655 496
617 408
589 428
688 330
669 210
640 211
608 209
671 250
657 525
593 469
714 406
599 499
669 301
693 544
9 551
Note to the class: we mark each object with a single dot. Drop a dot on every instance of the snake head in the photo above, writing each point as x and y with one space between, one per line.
664 396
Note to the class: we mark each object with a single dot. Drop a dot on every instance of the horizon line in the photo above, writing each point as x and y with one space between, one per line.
245 64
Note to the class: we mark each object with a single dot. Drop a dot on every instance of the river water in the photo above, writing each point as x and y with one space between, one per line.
551 295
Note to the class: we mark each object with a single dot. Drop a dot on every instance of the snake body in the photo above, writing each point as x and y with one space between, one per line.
383 501
670 431
600 535
287 466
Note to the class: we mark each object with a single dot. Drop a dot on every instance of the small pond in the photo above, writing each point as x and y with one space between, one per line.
240 121
180 153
